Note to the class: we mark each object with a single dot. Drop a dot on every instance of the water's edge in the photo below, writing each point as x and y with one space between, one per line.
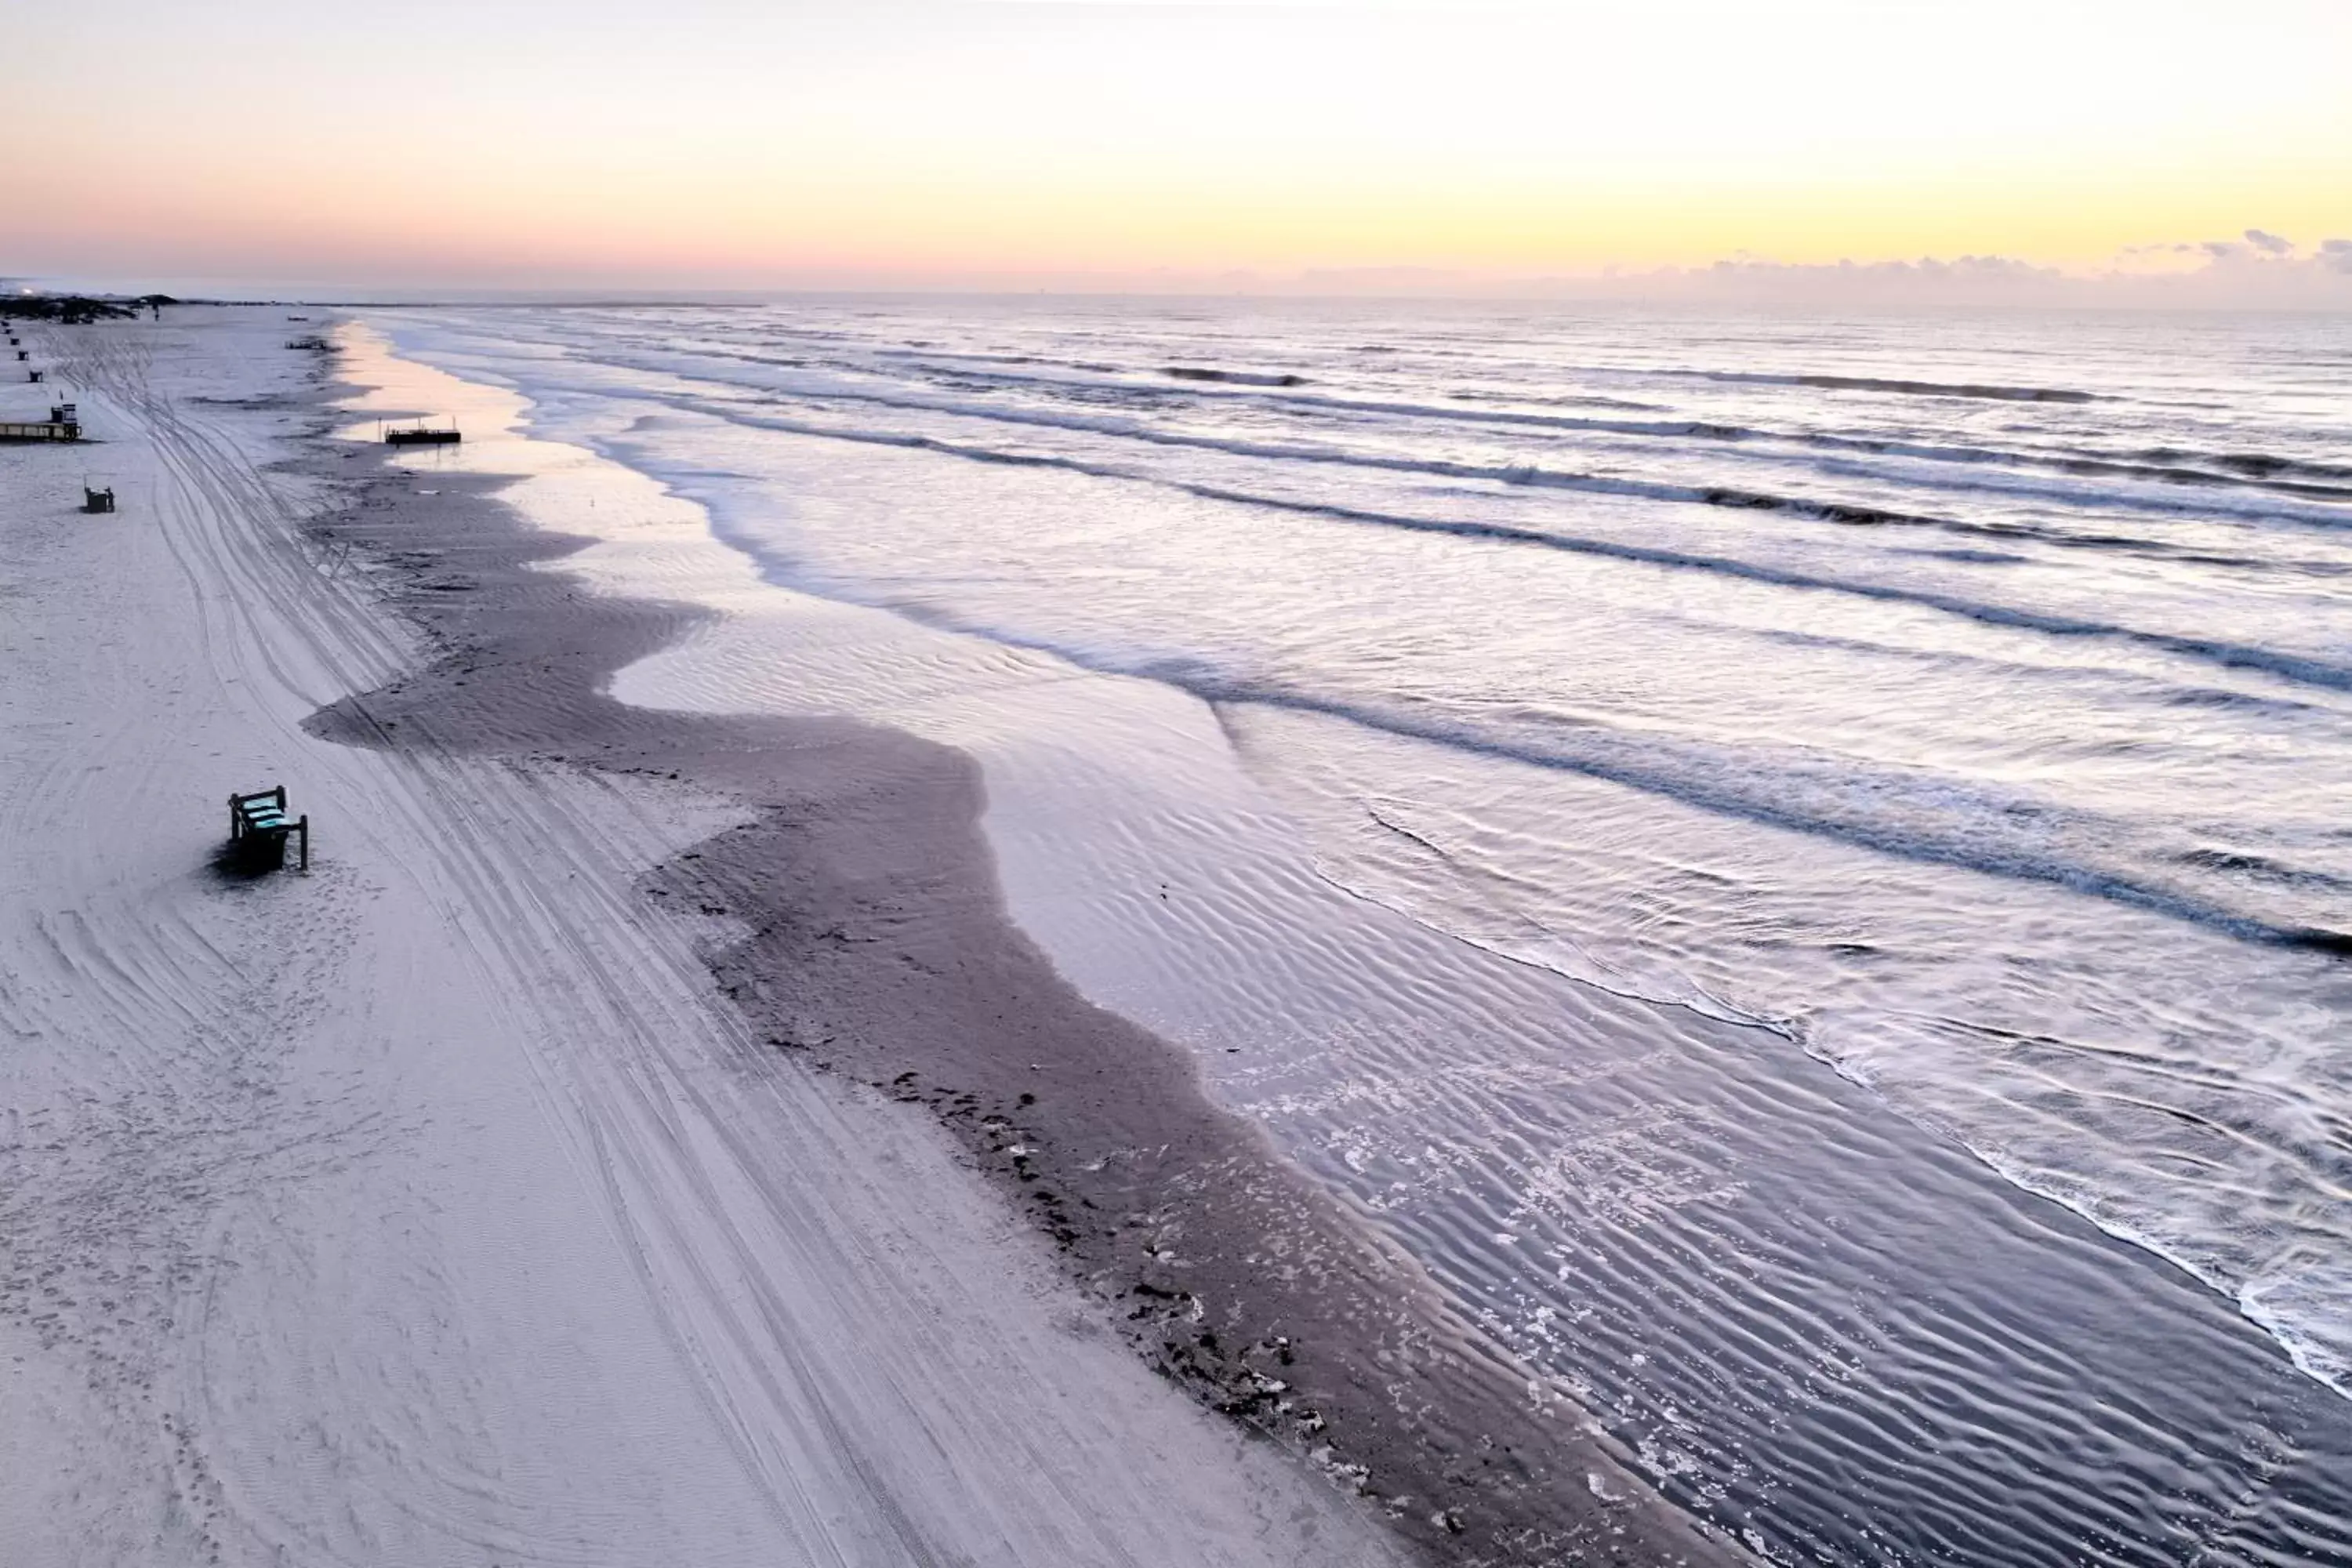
880 949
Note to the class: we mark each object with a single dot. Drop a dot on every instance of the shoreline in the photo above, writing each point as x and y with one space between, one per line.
430 1207
868 911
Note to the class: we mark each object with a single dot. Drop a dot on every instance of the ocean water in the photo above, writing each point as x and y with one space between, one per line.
1802 865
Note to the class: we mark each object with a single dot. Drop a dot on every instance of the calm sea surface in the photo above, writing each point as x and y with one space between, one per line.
1947 719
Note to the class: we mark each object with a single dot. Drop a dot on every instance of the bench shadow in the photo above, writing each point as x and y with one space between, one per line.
249 859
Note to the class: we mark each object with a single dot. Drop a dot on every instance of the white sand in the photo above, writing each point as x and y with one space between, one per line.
428 1209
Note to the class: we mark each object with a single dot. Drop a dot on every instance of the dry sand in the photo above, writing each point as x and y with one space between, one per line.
524 1184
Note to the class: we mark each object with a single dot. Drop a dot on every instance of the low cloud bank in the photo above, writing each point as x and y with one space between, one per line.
2257 271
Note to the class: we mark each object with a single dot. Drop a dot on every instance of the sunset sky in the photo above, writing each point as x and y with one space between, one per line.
969 143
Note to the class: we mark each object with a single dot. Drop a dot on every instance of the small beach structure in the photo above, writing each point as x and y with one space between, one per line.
421 434
259 828
53 429
31 375
96 500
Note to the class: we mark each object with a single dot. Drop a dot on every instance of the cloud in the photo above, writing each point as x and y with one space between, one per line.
2260 271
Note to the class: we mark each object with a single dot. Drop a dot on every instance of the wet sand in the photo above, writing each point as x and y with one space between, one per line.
866 935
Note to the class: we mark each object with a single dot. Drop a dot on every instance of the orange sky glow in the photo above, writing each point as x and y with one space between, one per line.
503 143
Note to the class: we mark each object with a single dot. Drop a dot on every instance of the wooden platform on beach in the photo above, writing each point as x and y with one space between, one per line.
40 430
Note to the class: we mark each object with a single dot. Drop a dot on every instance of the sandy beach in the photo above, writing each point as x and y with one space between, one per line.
429 1208
641 1137
1177 783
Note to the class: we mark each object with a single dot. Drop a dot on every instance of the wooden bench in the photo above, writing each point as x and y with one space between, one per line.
258 819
